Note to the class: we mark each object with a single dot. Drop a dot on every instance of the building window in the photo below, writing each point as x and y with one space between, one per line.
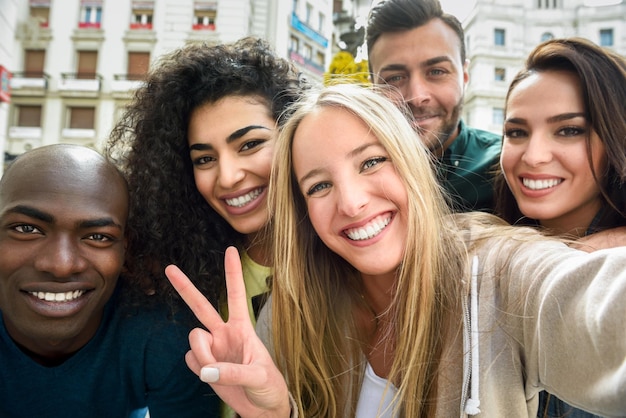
205 13
34 63
87 64
308 51
29 116
337 6
546 36
500 74
321 21
499 37
547 4
142 14
81 117
40 11
138 64
309 12
294 44
319 58
90 14
497 117
606 37
296 4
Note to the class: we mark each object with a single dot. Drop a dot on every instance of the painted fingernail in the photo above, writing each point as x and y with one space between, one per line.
209 374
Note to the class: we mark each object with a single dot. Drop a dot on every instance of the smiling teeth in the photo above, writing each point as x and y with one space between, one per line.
370 230
58 297
540 184
245 199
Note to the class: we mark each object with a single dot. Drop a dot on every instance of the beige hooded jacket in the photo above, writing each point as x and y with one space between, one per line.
538 315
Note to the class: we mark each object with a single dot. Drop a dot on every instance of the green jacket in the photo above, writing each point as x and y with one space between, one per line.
466 170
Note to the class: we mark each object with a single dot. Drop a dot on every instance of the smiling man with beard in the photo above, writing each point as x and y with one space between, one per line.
415 47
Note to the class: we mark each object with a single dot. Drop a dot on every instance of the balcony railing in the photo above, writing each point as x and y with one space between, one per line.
25 132
306 63
139 26
89 25
123 85
80 84
29 83
210 26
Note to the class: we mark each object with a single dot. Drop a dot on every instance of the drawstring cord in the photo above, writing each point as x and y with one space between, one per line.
473 403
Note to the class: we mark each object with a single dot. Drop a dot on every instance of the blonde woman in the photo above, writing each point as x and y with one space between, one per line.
385 305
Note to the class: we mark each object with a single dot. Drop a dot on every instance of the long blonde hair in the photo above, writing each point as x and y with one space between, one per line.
316 341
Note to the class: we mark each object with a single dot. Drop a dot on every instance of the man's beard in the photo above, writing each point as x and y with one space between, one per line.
435 140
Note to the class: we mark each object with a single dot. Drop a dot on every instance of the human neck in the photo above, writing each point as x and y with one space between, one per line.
575 224
378 292
257 249
439 151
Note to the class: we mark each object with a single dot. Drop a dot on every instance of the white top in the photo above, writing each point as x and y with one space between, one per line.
371 402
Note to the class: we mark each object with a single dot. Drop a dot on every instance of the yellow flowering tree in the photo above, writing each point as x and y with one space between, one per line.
343 69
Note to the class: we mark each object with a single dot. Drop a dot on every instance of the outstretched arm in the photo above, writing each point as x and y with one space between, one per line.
230 357
609 238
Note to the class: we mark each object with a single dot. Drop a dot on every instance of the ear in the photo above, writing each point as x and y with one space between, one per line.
466 72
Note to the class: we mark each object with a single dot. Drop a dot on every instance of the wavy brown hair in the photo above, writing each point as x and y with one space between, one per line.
602 77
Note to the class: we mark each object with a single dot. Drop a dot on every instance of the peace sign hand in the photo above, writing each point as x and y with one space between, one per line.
230 357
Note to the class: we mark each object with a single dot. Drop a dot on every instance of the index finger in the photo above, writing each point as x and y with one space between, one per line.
200 306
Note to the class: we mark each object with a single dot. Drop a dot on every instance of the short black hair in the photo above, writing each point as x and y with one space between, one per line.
400 15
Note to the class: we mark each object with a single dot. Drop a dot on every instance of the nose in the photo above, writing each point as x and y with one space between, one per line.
61 257
352 198
231 172
417 92
538 150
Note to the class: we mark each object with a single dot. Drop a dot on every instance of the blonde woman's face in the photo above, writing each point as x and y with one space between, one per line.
231 145
356 201
544 152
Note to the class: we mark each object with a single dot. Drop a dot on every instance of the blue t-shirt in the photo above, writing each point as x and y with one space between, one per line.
133 362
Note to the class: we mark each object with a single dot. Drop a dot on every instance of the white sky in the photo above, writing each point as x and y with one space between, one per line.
458 8
461 8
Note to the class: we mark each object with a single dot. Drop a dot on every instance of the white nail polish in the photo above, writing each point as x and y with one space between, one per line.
209 374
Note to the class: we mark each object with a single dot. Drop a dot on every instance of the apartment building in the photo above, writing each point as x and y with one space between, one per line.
8 21
499 34
74 64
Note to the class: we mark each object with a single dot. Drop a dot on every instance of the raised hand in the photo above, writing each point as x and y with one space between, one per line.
230 357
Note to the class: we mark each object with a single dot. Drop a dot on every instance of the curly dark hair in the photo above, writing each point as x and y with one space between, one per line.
170 222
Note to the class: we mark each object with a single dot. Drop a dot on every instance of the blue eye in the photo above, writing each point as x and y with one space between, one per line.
373 162
317 188
394 79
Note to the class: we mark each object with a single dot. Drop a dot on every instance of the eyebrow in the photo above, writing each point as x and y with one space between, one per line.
99 222
232 137
556 118
35 213
32 212
429 62
351 154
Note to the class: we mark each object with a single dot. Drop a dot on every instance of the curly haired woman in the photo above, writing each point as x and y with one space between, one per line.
196 145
